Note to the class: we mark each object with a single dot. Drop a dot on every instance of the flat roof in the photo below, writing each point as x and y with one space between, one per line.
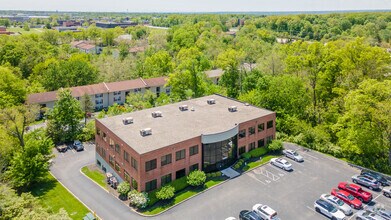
176 126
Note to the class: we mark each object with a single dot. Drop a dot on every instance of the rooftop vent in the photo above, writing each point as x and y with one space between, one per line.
183 107
128 120
211 101
156 114
232 108
146 131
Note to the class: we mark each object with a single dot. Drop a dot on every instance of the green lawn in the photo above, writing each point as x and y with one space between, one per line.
95 175
179 197
254 164
22 31
54 196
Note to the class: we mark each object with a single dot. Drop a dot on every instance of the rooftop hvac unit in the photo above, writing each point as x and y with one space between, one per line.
183 107
145 132
211 101
128 120
232 109
157 114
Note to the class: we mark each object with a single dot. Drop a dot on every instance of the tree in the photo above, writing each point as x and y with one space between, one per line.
196 178
123 188
108 37
160 63
139 101
26 26
31 164
50 36
275 146
12 89
64 119
86 106
166 193
137 199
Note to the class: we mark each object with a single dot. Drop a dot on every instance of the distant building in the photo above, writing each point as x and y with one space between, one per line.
61 29
135 50
86 47
3 31
115 24
71 23
214 75
231 33
126 38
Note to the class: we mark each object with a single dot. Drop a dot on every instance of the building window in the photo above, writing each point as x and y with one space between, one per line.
151 185
111 143
126 175
98 162
99 95
251 130
137 90
269 124
242 150
111 160
103 153
180 173
104 136
261 142
180 154
242 133
134 183
269 139
117 167
126 156
194 150
166 179
166 159
117 99
133 163
168 90
193 167
150 165
251 146
98 131
117 148
261 127
117 93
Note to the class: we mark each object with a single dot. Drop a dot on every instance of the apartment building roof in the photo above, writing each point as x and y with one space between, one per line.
176 126
99 88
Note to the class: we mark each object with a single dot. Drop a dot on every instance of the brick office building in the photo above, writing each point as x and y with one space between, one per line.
155 146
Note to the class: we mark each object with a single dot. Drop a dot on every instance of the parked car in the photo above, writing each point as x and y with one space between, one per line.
366 181
386 214
281 163
356 191
293 155
387 191
78 146
230 218
61 148
347 198
327 209
339 204
367 215
383 181
248 215
265 212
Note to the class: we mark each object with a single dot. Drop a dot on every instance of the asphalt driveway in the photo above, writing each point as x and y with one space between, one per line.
291 194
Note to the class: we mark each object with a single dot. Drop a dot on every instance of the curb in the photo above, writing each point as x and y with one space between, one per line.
75 196
92 179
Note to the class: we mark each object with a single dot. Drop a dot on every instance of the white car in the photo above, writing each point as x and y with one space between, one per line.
328 210
265 212
281 163
230 218
337 203
293 155
387 191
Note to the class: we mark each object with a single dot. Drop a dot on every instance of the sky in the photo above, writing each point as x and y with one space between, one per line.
194 5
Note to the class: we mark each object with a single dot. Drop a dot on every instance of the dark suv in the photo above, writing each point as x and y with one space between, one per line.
248 215
78 146
383 181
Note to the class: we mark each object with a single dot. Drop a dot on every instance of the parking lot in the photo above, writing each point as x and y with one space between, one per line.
291 194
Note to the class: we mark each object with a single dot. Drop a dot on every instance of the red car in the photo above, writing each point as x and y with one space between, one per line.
347 198
356 191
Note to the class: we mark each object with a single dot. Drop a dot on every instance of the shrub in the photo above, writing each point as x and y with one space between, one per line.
179 184
258 152
208 175
246 156
275 146
137 199
196 178
166 192
152 198
123 188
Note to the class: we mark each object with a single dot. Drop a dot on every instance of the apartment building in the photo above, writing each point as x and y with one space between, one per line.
152 147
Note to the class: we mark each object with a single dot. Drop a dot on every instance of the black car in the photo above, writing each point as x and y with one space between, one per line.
78 146
248 215
383 181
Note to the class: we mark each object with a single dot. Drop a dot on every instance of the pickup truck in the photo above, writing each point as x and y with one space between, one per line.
356 191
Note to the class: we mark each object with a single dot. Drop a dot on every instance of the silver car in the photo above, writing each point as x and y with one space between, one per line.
387 191
339 204
386 214
293 155
367 215
367 181
281 163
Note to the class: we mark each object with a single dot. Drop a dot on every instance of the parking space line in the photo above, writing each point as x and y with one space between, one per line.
255 178
311 209
366 205
310 155
277 169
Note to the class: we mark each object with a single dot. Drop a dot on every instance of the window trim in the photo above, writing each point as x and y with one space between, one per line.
193 150
181 157
152 165
165 162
